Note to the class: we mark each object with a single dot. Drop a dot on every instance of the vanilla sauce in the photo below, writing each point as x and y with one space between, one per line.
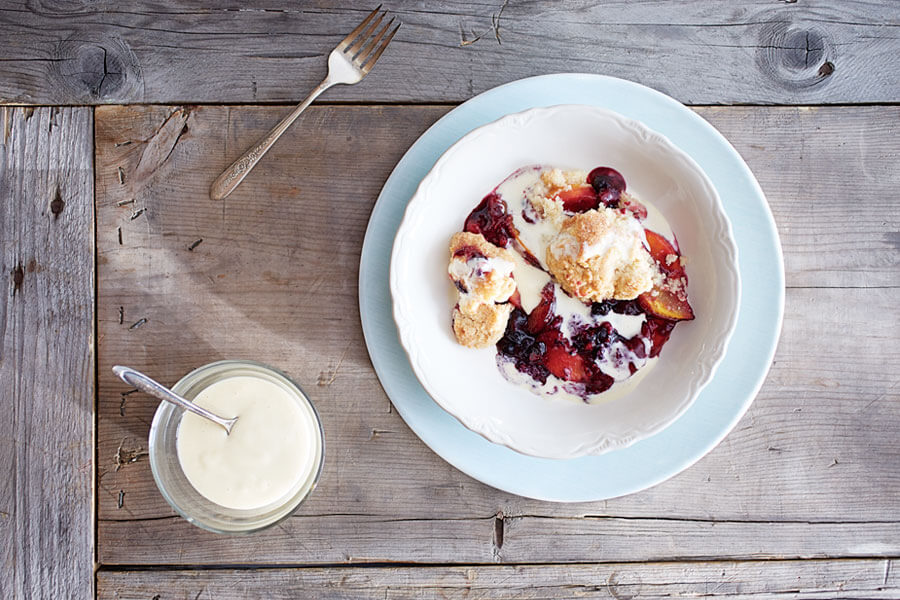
271 452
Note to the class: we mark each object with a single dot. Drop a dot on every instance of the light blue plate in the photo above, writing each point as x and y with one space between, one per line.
718 407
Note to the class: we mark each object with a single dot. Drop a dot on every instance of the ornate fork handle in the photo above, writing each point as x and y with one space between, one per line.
234 174
348 63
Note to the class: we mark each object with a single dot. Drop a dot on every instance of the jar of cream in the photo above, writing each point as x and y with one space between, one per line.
256 475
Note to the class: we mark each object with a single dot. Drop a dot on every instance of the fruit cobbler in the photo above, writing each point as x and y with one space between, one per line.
562 273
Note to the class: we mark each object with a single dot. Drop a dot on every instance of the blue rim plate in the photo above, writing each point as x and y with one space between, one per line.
718 407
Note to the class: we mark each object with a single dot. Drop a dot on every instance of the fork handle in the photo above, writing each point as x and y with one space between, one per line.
234 174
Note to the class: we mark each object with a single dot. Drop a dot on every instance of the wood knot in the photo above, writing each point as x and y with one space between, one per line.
795 57
826 69
57 205
95 67
624 586
18 276
498 533
125 456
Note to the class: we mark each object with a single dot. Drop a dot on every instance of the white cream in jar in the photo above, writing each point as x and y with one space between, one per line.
272 450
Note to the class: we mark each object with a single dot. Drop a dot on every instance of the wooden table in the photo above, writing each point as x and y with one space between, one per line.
116 119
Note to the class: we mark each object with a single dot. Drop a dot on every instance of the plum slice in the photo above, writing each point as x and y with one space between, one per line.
668 298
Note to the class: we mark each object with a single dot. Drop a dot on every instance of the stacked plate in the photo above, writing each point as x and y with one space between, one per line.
456 400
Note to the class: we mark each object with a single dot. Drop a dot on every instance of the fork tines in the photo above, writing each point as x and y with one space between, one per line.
363 57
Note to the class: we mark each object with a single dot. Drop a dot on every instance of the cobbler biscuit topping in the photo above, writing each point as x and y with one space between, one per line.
480 325
561 272
600 254
542 198
483 275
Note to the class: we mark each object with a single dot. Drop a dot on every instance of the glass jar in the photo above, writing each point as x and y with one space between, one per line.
174 484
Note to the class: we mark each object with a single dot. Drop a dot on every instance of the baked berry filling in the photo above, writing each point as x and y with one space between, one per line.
587 352
467 253
492 220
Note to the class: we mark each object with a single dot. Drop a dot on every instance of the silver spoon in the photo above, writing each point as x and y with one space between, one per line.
158 390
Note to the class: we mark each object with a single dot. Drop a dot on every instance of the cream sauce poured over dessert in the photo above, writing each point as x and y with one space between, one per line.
581 341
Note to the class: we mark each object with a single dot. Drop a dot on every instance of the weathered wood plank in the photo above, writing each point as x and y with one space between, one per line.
734 580
336 539
701 53
831 178
46 353
275 279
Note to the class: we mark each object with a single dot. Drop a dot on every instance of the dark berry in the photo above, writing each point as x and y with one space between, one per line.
609 185
491 219
601 308
626 307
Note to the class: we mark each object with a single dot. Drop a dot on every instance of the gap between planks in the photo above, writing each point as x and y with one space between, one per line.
127 568
744 579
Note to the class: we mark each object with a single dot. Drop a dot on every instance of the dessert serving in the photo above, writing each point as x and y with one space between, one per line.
576 283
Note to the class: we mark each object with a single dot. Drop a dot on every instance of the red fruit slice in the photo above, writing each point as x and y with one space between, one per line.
658 330
526 253
660 250
658 245
516 299
662 301
566 366
540 317
666 304
579 199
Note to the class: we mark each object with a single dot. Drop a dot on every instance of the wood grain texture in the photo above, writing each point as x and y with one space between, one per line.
733 580
757 51
810 471
831 178
46 353
552 537
825 423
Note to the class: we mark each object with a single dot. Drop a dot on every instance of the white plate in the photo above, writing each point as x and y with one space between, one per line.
467 383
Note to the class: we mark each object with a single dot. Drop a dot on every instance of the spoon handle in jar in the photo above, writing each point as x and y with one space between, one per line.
158 390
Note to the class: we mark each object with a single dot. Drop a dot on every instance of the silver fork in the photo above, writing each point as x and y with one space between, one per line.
348 63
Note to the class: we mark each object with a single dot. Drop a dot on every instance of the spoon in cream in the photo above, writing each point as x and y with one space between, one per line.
158 390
